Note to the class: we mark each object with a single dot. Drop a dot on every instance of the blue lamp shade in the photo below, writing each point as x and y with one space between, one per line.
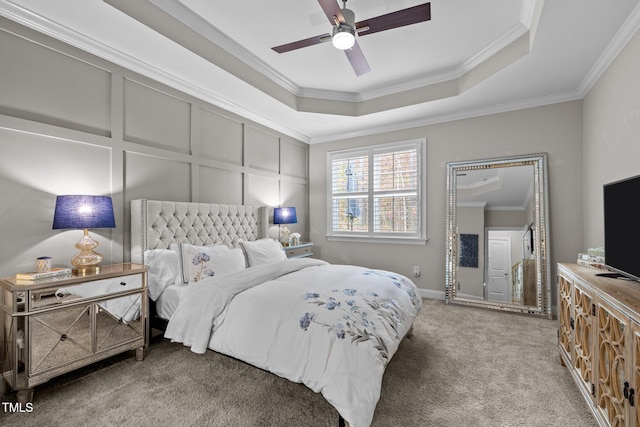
284 215
82 212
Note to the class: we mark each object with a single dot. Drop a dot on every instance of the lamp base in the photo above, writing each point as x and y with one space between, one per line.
87 261
86 271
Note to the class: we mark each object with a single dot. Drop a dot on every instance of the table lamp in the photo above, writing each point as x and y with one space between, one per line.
284 216
84 212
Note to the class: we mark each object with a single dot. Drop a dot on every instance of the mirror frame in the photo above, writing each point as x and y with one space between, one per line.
541 233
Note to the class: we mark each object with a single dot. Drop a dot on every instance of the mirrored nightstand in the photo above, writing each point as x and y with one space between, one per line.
54 326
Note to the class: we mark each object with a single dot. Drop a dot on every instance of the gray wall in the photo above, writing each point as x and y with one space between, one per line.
71 123
611 136
554 129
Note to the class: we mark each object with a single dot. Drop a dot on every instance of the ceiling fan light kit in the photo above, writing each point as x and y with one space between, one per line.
343 36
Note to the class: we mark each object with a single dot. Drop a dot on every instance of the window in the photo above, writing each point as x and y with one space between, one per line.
377 192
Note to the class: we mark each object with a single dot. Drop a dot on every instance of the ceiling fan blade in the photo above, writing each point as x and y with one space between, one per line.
331 9
400 18
357 59
302 43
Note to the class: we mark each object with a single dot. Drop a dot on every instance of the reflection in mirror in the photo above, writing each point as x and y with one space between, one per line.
496 234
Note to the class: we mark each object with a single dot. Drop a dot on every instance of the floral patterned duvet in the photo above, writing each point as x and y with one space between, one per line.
332 327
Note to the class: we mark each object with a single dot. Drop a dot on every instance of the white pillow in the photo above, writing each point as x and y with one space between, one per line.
177 247
263 251
200 262
163 270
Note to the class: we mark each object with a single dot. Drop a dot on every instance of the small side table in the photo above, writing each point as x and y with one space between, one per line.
302 250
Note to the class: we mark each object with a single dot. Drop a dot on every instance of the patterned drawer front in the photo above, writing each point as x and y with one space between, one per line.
611 368
583 345
564 315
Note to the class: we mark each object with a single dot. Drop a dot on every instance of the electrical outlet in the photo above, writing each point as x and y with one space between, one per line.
416 271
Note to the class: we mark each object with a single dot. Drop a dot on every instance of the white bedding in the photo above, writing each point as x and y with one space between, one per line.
331 327
168 301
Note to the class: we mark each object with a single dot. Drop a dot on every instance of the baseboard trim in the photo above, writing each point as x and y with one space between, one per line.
431 294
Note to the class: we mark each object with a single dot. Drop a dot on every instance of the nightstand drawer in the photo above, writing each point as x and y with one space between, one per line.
41 299
299 251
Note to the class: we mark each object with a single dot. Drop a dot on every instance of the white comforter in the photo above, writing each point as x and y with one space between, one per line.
331 327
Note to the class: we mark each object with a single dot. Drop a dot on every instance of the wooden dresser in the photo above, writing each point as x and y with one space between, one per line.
599 341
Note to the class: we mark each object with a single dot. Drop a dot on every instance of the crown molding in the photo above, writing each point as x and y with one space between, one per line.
450 117
511 35
194 21
330 95
622 37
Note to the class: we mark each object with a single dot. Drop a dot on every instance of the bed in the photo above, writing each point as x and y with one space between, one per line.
220 284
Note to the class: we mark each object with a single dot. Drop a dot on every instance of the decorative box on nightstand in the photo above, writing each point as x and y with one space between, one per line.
301 250
54 326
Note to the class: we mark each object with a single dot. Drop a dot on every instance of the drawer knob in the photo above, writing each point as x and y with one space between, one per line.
123 283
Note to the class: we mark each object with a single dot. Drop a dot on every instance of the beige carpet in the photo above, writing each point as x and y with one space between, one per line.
462 367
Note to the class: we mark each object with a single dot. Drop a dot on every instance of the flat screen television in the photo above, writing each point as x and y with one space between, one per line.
622 227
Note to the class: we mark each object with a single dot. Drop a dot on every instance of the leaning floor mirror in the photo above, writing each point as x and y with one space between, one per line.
497 253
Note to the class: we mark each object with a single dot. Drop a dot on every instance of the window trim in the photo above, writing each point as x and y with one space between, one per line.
371 236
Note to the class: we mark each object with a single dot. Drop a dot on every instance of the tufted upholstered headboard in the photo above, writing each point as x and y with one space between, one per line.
156 224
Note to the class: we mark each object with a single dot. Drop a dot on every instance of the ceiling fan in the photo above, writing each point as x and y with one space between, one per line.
345 29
